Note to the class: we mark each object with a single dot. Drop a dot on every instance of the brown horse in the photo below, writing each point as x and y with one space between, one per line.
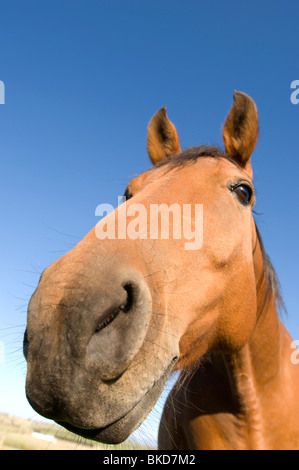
112 318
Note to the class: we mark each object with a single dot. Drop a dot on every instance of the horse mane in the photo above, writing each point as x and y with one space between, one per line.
273 285
191 155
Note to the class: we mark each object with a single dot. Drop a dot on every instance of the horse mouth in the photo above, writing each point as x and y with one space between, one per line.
93 434
120 429
96 434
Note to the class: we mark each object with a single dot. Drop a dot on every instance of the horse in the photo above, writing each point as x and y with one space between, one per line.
111 319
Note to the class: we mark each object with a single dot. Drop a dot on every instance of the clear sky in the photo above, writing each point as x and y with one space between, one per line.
82 79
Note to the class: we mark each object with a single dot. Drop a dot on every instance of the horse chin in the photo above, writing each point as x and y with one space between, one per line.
119 430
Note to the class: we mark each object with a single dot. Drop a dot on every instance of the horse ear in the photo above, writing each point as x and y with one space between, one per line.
162 137
240 131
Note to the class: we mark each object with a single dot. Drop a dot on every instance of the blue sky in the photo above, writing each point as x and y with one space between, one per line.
82 79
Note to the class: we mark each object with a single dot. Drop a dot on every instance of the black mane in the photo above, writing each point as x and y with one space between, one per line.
191 155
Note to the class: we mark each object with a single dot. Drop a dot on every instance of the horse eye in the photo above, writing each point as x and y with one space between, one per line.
127 194
244 193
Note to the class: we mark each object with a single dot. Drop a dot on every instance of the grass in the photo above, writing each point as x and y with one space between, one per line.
17 433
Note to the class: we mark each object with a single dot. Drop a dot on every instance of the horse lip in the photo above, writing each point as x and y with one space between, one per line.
102 434
90 433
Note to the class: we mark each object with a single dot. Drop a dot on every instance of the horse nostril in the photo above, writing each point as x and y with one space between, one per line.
129 288
25 345
124 307
118 333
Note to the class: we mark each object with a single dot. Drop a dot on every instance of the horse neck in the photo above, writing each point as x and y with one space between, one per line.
257 371
264 350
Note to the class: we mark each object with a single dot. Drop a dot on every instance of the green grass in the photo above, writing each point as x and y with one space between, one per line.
16 433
